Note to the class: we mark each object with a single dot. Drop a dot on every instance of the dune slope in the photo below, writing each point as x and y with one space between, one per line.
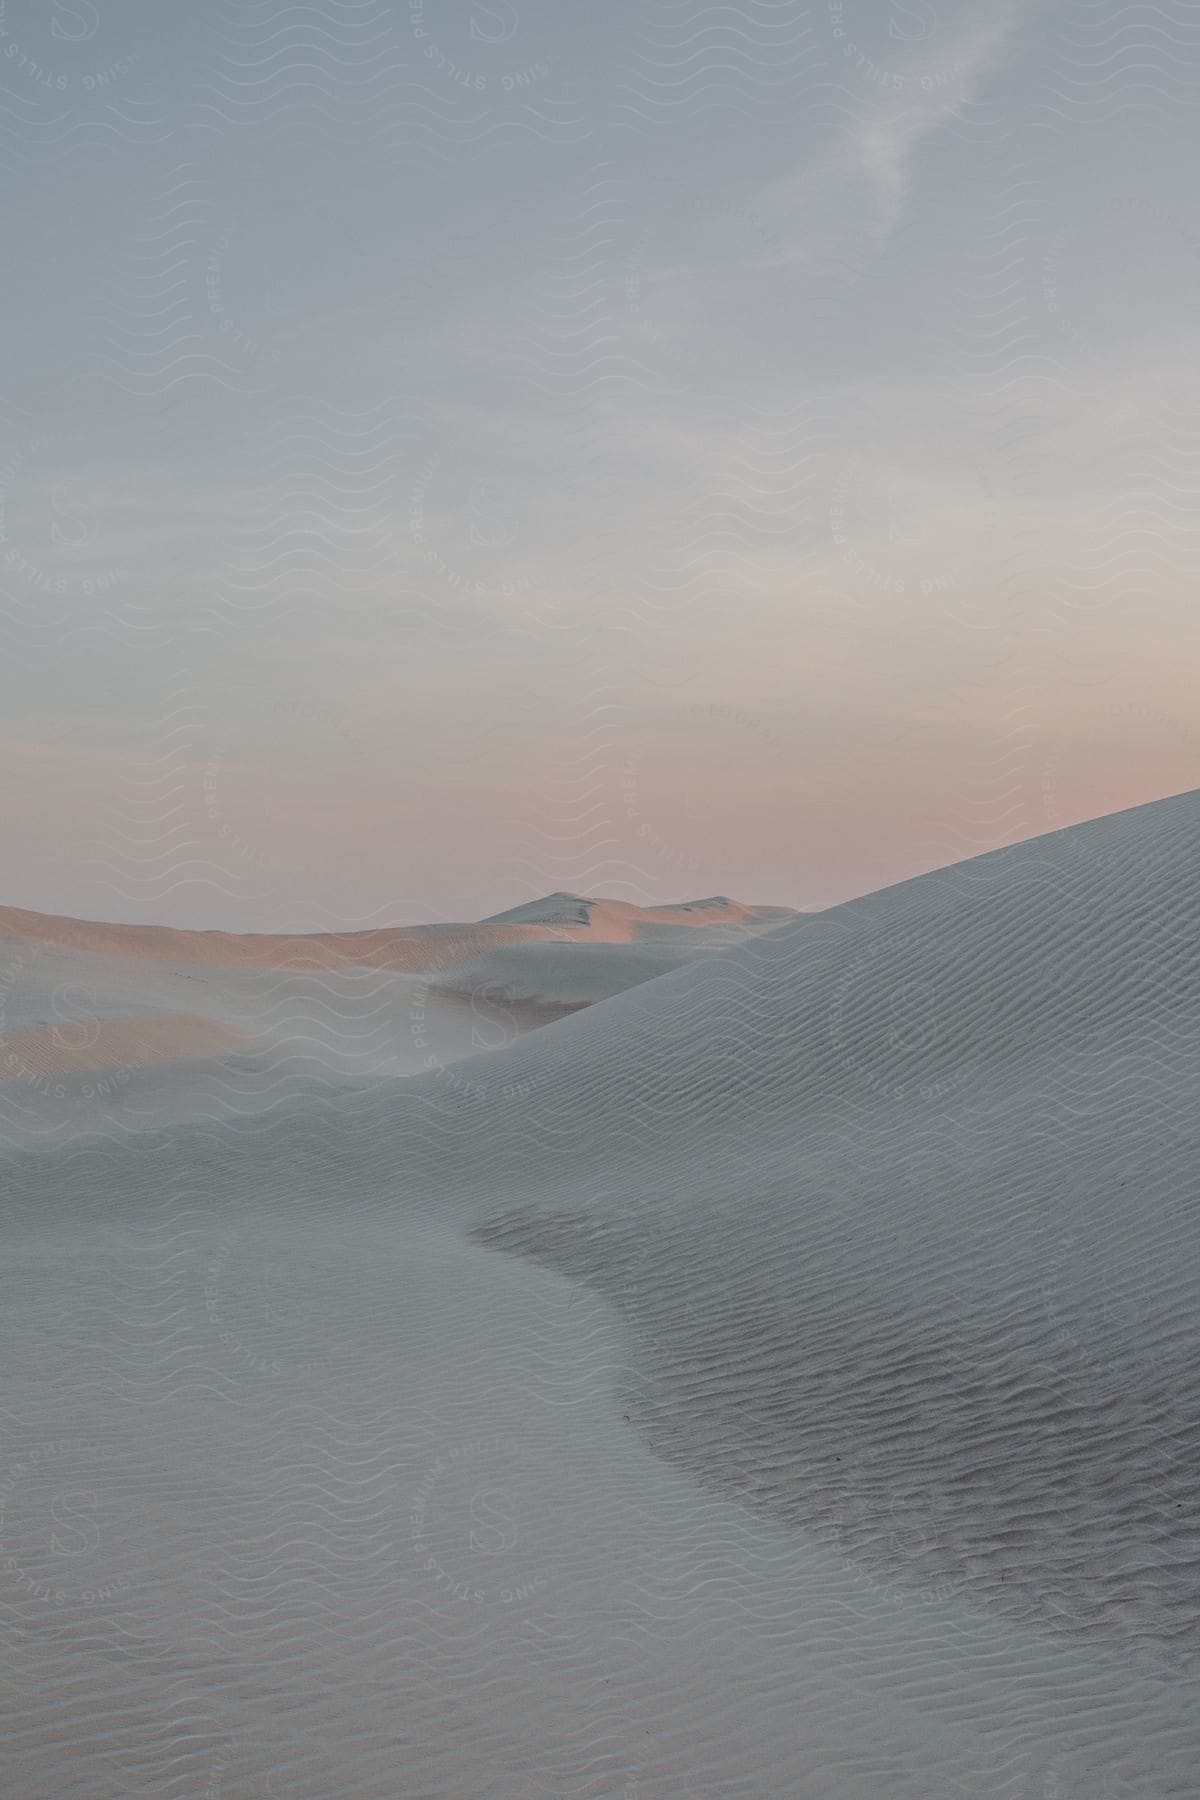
906 1196
777 1378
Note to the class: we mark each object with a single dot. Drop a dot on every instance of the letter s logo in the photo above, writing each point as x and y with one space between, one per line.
494 23
914 1021
912 22
68 1001
907 532
493 524
277 1284
72 525
490 1511
84 21
500 1027
75 1513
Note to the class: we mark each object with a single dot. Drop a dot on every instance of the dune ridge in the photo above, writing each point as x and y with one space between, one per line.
408 948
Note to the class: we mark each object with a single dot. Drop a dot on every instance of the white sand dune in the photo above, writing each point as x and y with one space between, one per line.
420 949
776 1379
262 1017
618 922
597 948
562 975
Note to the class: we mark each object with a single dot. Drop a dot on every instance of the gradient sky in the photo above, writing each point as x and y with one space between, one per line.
454 452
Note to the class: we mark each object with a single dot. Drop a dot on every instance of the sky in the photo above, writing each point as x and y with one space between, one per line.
452 453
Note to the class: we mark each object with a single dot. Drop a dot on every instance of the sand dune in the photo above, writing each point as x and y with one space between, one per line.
575 974
561 975
296 1013
617 922
775 1378
112 1043
421 949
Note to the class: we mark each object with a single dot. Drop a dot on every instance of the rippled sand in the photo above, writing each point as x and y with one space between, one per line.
778 1378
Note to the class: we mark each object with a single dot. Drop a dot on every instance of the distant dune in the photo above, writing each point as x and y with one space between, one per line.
617 922
80 996
596 948
410 948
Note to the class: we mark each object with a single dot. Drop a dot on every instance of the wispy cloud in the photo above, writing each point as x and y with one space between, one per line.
881 147
877 147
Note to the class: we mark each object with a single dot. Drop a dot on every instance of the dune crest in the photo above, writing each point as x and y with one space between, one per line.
416 948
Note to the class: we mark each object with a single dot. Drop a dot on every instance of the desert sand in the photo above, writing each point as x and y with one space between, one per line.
775 1376
262 1017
